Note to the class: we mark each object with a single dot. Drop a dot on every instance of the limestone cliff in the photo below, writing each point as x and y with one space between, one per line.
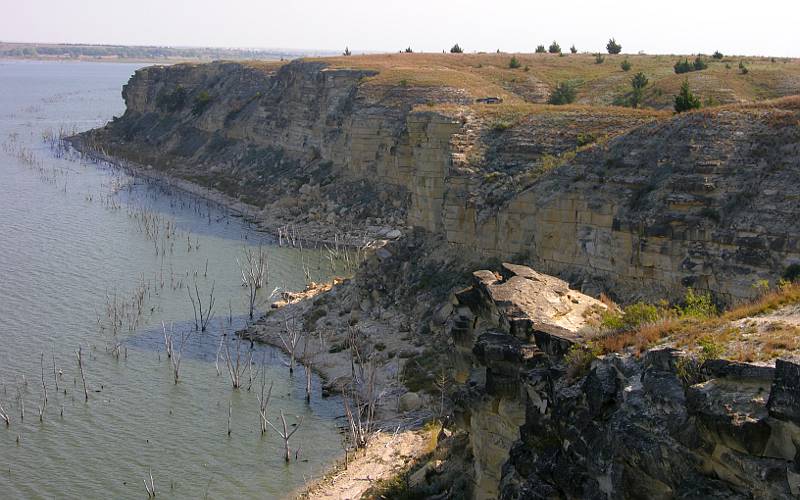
632 203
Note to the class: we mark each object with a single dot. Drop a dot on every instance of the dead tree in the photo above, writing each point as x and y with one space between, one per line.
201 323
442 382
255 270
359 408
263 400
286 435
44 386
173 355
290 340
236 367
83 376
151 487
4 415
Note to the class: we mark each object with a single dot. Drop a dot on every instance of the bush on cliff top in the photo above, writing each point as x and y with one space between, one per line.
685 100
613 47
564 93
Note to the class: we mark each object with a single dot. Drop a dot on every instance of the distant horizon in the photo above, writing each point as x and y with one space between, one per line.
356 52
680 27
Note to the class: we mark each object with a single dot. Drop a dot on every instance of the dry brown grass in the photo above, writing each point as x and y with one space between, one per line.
724 334
774 299
597 84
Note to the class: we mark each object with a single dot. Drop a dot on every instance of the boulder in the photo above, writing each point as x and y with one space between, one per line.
784 397
410 401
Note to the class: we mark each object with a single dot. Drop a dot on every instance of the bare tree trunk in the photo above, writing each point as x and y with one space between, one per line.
83 376
286 435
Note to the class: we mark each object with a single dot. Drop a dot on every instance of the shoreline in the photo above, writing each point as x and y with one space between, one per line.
399 439
249 213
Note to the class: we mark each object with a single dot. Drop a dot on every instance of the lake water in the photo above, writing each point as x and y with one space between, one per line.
74 239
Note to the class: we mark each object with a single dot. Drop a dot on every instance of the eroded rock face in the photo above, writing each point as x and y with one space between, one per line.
704 200
659 426
503 325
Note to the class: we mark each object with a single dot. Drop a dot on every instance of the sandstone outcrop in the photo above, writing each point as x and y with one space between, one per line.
659 426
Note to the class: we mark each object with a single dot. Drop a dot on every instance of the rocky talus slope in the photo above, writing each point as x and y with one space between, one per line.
663 425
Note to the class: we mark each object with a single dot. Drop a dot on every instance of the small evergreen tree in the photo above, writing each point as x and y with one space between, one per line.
555 48
717 55
613 47
638 84
599 58
573 49
514 63
625 65
700 64
685 100
683 66
347 51
456 49
409 51
564 93
742 68
540 49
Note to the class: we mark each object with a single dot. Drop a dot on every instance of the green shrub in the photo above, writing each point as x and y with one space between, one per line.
742 68
201 101
540 49
514 63
456 49
613 47
638 84
639 314
564 93
792 273
709 349
631 318
683 66
700 64
727 66
697 305
555 48
639 81
585 138
599 58
685 100
625 65
573 49
717 55
408 50
347 52
579 359
501 125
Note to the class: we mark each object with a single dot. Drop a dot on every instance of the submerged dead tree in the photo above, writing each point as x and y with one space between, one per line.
263 400
79 354
238 365
286 435
201 322
290 339
255 271
173 355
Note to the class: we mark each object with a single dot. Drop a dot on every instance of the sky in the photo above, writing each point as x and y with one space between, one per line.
766 27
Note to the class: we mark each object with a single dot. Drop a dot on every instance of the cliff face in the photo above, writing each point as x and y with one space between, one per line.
661 426
633 203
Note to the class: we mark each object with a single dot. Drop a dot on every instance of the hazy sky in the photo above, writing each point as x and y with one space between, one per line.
765 27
